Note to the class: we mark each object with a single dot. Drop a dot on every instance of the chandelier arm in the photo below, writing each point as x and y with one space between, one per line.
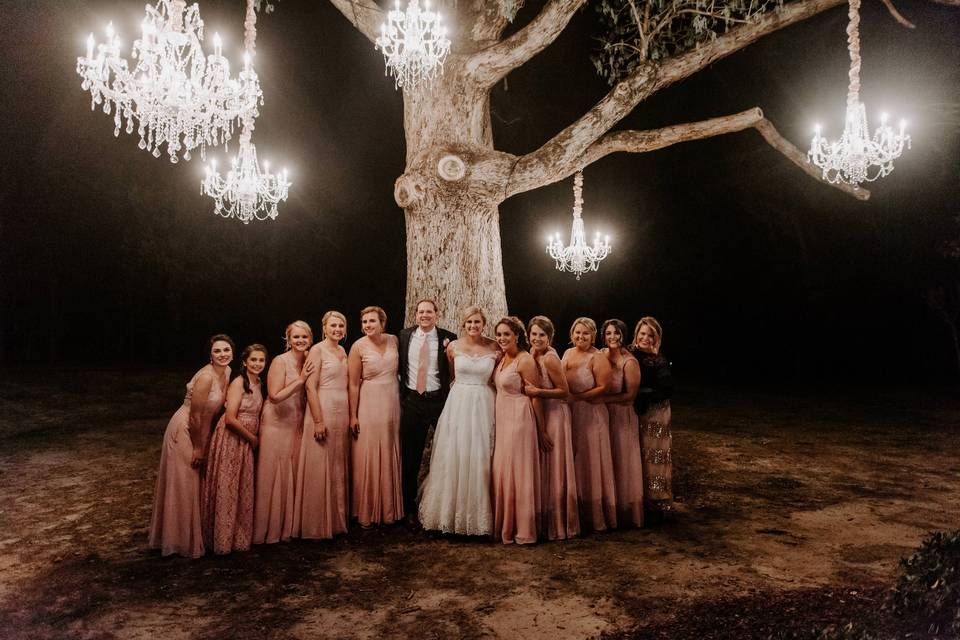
490 65
766 129
897 15
548 163
365 15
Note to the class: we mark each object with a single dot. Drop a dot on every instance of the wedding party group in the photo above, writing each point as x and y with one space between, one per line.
462 435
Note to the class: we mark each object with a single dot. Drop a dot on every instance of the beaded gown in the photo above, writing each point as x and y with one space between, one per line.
625 448
321 507
280 427
656 433
176 525
227 497
516 461
561 518
377 492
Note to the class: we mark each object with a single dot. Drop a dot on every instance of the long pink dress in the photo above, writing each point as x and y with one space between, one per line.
321 505
591 454
227 494
176 526
280 427
516 461
561 517
627 459
377 495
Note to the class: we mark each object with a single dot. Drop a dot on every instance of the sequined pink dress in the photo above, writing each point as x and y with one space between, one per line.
321 508
176 526
591 454
516 461
280 427
561 517
227 495
377 490
627 459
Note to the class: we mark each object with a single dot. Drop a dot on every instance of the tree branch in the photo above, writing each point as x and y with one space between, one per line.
490 65
365 15
897 15
653 139
545 165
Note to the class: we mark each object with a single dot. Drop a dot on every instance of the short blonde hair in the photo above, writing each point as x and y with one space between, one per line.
651 322
472 310
298 324
587 322
380 314
544 323
332 314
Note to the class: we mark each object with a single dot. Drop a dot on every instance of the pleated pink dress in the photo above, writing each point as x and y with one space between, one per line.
227 495
377 490
558 480
280 427
321 508
592 458
176 525
627 458
516 461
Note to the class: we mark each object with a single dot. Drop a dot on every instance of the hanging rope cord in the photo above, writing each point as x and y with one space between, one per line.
249 46
853 46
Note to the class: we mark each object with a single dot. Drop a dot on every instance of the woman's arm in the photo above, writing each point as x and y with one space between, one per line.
600 367
232 417
631 383
195 423
355 370
554 369
527 367
313 395
276 377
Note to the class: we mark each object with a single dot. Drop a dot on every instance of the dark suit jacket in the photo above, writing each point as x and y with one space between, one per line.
444 366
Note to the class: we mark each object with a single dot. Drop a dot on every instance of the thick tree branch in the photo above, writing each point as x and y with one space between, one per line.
897 15
546 163
653 139
493 63
365 15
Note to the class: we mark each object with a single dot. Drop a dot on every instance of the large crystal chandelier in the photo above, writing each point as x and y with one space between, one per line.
414 44
857 157
176 95
247 192
578 257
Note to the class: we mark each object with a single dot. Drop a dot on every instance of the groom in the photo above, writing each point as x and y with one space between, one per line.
424 383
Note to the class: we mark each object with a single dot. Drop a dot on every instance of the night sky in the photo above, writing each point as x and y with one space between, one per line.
757 272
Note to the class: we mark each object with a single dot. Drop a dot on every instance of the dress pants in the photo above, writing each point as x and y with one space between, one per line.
418 419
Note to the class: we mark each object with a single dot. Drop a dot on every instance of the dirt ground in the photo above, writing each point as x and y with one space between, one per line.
793 509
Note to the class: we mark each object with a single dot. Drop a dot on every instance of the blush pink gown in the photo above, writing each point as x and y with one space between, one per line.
627 459
227 495
280 427
377 490
516 461
592 458
176 526
561 517
321 506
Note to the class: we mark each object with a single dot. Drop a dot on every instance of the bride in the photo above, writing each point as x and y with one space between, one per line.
456 494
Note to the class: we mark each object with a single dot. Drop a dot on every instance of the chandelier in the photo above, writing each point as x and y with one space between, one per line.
414 44
857 157
579 257
247 192
177 96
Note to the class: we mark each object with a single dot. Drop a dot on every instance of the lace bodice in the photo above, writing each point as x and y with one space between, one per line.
473 369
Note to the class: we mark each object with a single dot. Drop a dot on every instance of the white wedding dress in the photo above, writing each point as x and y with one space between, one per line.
456 493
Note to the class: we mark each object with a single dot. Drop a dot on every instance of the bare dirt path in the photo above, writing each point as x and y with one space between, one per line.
790 507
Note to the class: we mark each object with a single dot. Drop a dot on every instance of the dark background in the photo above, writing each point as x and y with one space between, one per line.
757 272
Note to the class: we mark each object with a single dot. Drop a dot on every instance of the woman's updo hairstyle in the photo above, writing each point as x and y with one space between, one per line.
296 324
516 326
621 327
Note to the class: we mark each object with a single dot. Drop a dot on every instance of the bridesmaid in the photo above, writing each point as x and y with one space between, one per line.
588 372
321 506
377 492
227 494
561 519
653 406
624 426
519 431
176 525
280 437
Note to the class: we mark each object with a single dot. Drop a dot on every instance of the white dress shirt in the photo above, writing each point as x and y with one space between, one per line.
413 359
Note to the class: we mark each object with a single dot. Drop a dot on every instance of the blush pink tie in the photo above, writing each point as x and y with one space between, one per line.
422 366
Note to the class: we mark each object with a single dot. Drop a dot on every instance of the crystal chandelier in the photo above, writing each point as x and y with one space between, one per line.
579 257
247 192
414 44
177 96
857 157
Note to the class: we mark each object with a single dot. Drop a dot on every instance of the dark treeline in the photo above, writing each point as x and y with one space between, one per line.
108 255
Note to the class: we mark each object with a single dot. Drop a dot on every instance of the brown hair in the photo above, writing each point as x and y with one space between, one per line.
621 327
247 352
516 326
380 314
544 323
422 300
220 337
